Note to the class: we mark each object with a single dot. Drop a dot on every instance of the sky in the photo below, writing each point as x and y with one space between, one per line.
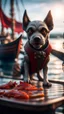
38 10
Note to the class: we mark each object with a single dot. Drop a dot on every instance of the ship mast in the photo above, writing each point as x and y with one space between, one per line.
13 21
2 29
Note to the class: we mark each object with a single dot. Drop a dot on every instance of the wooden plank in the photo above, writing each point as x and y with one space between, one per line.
20 78
54 81
57 81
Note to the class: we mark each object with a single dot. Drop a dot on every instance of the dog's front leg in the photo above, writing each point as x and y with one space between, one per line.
39 76
26 68
46 83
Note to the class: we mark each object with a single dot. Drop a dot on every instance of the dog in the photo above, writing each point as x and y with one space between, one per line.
37 49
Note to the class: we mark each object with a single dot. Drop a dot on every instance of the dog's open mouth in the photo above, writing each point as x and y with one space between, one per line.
36 43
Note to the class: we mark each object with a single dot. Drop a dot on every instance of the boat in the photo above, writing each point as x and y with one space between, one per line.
10 50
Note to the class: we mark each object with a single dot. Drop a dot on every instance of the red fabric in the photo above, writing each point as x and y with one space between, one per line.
18 27
34 67
7 22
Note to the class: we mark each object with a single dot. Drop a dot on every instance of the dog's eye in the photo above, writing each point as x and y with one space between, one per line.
30 31
43 32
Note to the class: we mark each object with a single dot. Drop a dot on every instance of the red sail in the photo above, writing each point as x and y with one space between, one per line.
7 22
18 27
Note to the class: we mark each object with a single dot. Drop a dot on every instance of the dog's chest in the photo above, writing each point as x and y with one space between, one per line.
37 59
38 55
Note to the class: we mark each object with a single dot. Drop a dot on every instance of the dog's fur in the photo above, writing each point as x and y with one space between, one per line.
36 46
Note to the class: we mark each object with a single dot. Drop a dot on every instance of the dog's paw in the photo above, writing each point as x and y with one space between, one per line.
48 84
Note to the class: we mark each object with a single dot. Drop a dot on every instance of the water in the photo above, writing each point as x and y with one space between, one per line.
55 70
55 67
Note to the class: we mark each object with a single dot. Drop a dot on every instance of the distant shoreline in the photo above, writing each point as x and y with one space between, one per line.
56 35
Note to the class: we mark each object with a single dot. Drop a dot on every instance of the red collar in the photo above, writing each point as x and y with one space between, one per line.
47 50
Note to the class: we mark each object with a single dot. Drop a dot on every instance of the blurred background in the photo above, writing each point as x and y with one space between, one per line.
36 9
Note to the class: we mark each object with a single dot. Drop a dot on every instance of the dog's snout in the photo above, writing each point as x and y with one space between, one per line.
37 39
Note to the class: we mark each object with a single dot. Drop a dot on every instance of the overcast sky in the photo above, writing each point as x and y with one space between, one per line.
37 10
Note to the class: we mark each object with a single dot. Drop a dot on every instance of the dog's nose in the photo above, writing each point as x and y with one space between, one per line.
37 39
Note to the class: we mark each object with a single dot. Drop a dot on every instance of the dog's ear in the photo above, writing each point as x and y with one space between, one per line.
25 20
49 21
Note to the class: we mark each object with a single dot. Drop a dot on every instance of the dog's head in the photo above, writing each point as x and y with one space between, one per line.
37 31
